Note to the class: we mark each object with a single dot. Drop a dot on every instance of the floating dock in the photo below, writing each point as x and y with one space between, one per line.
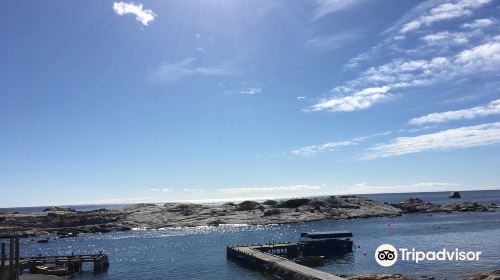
11 264
73 263
261 257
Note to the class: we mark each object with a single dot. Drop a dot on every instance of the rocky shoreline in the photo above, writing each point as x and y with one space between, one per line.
493 275
66 222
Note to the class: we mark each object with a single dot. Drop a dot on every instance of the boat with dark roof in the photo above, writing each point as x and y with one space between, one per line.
325 243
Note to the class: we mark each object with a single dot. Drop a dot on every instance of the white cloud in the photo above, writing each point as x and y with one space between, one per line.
493 108
374 84
355 61
333 41
301 97
293 188
143 16
309 151
443 12
457 138
446 38
250 91
478 23
171 72
193 190
360 100
326 7
157 190
481 58
421 8
365 188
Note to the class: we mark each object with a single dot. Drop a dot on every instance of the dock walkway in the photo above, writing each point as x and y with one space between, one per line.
276 265
74 262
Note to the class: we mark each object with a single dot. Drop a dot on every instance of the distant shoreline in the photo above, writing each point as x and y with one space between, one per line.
66 222
118 205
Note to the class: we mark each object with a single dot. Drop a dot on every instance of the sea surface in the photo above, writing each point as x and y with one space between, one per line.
200 253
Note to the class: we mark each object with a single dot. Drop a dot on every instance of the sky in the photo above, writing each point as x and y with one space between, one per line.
123 102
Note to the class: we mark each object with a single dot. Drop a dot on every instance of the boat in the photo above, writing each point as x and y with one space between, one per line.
311 260
43 241
454 195
325 243
52 270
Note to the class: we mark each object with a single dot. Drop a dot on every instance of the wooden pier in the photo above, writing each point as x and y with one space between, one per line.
260 257
12 265
73 263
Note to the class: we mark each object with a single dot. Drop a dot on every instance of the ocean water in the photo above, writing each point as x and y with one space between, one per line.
200 253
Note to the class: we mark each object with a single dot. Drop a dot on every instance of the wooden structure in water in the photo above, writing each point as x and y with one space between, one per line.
11 265
72 264
274 259
267 259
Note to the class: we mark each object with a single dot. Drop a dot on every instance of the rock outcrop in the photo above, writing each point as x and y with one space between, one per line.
416 205
493 275
379 277
67 222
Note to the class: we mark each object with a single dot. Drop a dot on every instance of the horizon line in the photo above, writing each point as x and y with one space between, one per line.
215 200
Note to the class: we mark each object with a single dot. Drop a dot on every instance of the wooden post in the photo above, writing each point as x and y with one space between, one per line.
11 258
2 261
17 256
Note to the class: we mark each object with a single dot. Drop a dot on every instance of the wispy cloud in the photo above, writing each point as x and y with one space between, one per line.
355 61
493 108
457 138
326 7
457 53
309 151
250 91
480 58
141 15
241 88
195 191
293 188
157 190
360 100
333 41
364 188
479 23
375 84
173 71
446 38
443 12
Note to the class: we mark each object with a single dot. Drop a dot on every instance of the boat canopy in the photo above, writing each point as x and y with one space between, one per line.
326 234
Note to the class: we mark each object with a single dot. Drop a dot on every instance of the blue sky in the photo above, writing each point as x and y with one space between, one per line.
109 102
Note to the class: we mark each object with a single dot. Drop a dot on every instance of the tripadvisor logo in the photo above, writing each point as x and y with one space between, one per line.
387 255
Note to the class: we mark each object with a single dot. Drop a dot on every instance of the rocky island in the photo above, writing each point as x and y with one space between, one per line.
67 222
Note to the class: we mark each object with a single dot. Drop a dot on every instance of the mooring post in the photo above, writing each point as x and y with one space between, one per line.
2 259
17 256
11 258
98 265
